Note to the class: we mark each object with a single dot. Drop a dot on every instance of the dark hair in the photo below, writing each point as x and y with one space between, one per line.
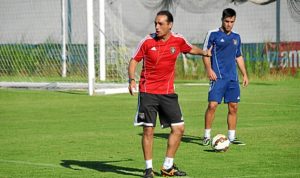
166 13
228 13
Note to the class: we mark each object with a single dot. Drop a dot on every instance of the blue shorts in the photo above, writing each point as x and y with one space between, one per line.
228 89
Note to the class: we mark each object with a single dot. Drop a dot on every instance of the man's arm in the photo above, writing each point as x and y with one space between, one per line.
131 75
210 73
197 51
241 65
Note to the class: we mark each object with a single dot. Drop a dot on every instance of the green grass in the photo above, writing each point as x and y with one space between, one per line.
70 134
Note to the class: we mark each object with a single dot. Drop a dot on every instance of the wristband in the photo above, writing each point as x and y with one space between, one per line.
131 79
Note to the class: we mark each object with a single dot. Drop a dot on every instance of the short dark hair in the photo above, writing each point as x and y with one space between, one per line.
166 13
228 13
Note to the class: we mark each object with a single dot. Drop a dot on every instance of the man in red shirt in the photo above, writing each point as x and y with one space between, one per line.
159 52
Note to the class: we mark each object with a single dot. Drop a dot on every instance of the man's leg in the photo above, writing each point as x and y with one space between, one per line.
210 114
232 121
147 142
174 140
232 115
170 115
169 168
209 117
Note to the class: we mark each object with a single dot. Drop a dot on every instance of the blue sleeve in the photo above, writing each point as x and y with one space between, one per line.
239 48
208 41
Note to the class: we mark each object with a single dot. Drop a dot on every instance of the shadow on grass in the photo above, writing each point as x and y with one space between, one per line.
103 166
185 138
261 83
211 151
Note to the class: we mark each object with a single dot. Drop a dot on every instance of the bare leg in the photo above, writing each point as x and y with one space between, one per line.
174 140
232 115
210 114
173 144
147 142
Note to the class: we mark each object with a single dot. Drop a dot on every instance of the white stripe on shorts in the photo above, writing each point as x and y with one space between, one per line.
136 123
175 124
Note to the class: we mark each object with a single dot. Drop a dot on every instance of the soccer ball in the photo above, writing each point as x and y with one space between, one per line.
220 143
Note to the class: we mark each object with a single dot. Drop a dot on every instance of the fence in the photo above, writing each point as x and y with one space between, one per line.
31 35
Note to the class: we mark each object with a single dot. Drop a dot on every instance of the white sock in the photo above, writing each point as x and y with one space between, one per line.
207 133
168 163
231 135
149 164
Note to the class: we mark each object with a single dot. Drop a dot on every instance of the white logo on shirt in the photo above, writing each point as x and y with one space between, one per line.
234 41
153 48
222 40
238 97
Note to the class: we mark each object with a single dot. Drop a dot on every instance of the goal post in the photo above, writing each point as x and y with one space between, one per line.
90 47
63 34
90 44
49 43
102 71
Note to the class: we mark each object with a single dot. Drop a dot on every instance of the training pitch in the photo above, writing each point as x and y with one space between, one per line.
70 134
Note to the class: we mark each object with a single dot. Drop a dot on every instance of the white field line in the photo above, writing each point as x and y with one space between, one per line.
31 163
196 84
110 91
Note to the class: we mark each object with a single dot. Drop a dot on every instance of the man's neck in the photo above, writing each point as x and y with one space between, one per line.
226 32
166 37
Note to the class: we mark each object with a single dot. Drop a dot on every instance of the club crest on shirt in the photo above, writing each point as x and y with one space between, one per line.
234 41
172 50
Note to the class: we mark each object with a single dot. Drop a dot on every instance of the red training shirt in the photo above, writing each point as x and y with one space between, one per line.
159 59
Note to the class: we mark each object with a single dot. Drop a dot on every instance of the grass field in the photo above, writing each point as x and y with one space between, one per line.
70 134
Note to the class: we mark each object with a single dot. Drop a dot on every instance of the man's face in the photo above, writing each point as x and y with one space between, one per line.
162 26
227 23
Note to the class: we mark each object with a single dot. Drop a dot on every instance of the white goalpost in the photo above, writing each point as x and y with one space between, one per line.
90 47
62 43
102 71
63 34
58 43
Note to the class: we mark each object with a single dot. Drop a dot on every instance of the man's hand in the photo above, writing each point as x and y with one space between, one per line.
131 71
241 65
245 81
211 74
132 87
207 53
198 51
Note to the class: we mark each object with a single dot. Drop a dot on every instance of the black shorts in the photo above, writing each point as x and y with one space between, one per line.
166 105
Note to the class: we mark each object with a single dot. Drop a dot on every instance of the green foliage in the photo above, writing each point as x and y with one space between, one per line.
256 62
22 62
28 60
192 70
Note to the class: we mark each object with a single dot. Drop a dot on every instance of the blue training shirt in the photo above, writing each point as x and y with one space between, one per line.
226 48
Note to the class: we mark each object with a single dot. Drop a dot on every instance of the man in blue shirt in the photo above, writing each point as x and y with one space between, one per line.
222 71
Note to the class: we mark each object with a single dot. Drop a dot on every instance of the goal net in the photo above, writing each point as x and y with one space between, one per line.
46 41
38 37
